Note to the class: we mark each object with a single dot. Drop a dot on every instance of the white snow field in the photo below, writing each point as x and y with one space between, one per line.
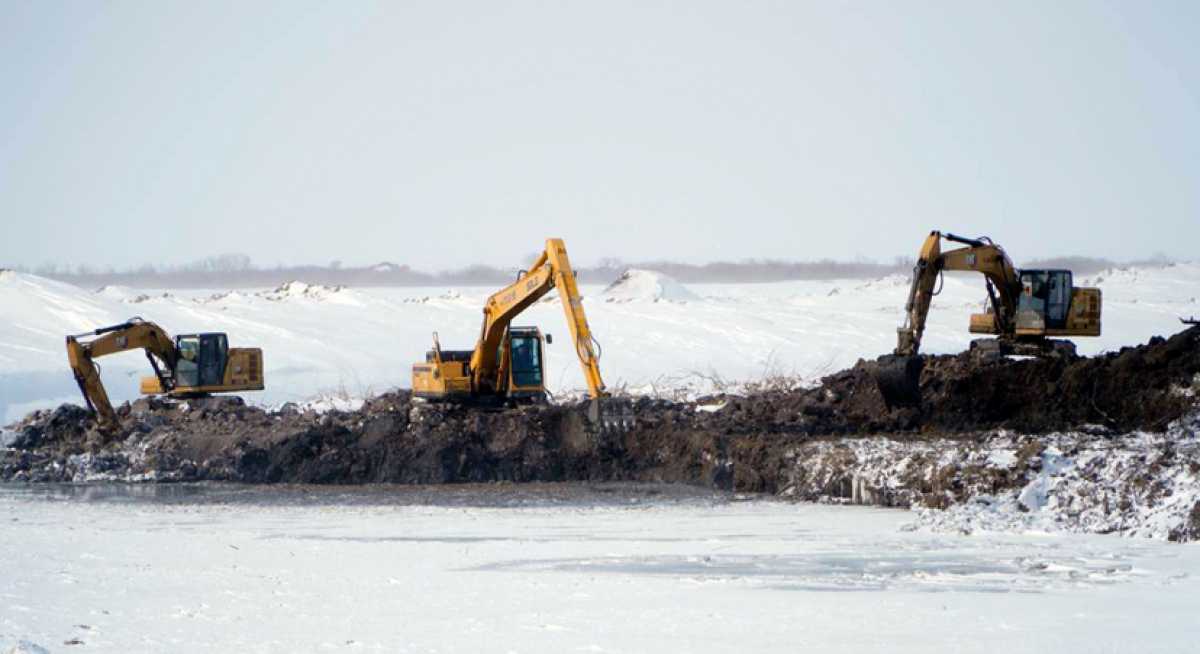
496 569
657 335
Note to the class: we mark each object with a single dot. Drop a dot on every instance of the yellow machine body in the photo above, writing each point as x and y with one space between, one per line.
507 362
520 369
243 372
185 366
1024 306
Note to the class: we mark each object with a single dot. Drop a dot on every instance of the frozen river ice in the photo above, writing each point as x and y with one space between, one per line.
558 568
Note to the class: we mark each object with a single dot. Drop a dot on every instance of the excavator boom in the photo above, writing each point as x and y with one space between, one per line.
979 255
552 270
1025 308
131 335
204 365
506 363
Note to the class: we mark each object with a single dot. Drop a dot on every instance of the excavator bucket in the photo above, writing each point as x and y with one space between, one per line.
899 379
611 414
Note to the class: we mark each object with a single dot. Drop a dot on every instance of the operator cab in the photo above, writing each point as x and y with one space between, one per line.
1045 299
202 359
526 364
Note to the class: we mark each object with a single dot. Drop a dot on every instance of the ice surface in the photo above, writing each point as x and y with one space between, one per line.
559 569
26 647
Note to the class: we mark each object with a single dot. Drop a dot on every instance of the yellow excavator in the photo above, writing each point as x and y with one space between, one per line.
1025 308
507 365
190 365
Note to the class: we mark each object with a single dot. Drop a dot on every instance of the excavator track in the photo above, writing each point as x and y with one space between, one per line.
995 348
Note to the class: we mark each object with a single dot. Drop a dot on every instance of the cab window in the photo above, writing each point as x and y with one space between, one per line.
213 352
1058 299
526 361
187 368
1034 292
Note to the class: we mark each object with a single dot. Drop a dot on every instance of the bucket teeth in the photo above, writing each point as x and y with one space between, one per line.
612 415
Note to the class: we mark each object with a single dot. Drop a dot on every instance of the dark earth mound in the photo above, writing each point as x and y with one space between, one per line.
742 445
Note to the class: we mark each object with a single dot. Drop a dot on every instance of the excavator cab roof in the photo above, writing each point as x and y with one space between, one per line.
198 335
1044 270
210 340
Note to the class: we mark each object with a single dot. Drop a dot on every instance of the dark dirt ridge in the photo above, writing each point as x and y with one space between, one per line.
743 446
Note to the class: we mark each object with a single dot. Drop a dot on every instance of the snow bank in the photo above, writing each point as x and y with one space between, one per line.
1140 484
646 286
1144 485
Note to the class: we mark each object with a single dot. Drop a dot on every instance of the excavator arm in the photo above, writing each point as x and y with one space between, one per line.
979 255
551 270
131 335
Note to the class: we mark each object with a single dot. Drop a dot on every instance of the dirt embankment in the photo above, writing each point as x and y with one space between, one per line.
748 443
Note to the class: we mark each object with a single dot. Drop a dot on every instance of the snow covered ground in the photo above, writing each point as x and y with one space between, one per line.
656 335
1141 485
559 569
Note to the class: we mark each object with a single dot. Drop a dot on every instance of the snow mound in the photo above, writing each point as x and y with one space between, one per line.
1181 272
646 286
37 311
117 292
296 290
227 296
127 295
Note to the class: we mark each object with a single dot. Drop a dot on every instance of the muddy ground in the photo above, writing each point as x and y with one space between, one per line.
748 444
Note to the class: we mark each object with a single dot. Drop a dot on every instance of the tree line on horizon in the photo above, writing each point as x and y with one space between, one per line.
239 271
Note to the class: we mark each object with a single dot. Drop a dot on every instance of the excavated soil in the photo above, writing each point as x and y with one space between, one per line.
748 444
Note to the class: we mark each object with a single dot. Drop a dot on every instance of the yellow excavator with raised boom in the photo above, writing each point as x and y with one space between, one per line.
507 365
1025 310
1025 307
189 365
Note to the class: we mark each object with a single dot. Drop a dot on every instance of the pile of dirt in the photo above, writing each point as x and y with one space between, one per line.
1138 388
751 443
390 439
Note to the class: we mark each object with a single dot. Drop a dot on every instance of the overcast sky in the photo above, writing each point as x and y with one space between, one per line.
446 133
